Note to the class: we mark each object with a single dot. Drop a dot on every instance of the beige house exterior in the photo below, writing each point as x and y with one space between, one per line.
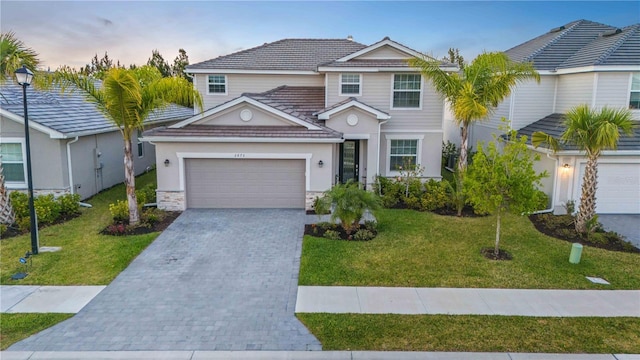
289 119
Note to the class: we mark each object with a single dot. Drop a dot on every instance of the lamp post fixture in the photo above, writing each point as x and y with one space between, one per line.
24 77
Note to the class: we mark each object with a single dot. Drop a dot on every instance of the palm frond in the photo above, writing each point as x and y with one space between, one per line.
14 54
539 138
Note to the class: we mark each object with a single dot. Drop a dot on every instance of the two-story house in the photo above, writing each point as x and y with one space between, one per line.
287 120
582 62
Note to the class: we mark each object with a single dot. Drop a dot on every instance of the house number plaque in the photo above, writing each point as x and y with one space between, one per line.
238 155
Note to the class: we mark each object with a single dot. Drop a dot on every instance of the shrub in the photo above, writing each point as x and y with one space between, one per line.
20 204
435 196
69 204
146 195
412 202
117 229
151 216
120 210
363 235
47 209
332 235
570 207
371 226
542 200
24 223
317 207
3 229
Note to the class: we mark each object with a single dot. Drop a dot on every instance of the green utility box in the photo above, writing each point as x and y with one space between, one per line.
576 253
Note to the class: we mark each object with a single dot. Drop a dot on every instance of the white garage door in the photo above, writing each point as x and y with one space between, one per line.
245 183
618 188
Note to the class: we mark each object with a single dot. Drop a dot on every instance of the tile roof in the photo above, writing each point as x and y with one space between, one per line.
286 54
581 43
70 113
215 131
298 101
553 125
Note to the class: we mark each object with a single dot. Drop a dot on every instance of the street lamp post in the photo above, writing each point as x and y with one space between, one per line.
24 77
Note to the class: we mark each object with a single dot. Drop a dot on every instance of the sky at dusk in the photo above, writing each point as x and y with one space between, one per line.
71 32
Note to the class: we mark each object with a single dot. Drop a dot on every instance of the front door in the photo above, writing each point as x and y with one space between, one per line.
349 160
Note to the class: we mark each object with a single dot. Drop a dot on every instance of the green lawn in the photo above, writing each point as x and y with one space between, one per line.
417 249
16 327
86 258
474 333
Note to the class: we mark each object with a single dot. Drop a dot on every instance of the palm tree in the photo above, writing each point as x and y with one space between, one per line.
475 91
127 97
13 55
592 131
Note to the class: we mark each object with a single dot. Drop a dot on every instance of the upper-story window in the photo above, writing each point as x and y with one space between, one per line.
12 159
407 91
217 84
350 84
634 97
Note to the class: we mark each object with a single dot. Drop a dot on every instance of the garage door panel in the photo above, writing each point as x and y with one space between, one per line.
618 189
245 183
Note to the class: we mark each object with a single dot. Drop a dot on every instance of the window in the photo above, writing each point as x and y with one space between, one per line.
350 84
407 90
218 84
12 159
140 145
634 97
402 152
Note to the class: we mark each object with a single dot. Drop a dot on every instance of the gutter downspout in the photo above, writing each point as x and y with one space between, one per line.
378 152
71 185
553 193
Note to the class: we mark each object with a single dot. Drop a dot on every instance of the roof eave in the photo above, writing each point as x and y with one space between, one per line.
211 139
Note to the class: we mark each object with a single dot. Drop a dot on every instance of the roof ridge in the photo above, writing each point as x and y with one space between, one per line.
561 35
619 42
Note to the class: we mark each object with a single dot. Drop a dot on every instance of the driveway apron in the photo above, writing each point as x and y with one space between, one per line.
214 280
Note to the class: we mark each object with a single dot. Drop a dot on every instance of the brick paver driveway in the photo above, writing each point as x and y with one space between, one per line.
214 280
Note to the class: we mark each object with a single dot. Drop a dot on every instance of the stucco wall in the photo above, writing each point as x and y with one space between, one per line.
430 154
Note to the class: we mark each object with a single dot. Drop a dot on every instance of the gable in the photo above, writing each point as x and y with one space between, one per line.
245 115
384 52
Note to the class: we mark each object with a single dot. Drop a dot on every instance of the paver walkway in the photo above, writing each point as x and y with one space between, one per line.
214 280
519 302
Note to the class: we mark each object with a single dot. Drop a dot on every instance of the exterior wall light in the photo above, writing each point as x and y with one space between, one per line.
320 163
167 162
566 166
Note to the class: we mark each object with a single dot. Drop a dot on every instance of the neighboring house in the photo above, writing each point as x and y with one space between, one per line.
582 62
74 147
287 120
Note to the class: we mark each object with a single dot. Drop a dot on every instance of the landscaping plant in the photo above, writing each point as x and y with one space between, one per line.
502 180
349 203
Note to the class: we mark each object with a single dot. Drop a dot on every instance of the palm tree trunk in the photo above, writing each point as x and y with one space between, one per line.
130 183
464 141
496 250
587 208
6 210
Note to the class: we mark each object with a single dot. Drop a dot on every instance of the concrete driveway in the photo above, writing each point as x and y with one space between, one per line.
625 225
214 280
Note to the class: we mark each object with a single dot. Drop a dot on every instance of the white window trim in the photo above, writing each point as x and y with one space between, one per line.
138 143
16 184
226 85
340 85
635 111
420 138
393 90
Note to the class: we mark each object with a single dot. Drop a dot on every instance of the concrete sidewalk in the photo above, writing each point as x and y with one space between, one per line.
46 299
518 302
301 355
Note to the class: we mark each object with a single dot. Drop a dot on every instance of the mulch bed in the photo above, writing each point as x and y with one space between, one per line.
319 231
123 229
467 211
13 230
489 253
562 227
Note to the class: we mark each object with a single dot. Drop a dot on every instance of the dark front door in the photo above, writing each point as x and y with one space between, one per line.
349 160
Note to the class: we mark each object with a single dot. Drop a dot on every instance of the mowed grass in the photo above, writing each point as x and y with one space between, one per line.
415 249
474 333
87 257
16 327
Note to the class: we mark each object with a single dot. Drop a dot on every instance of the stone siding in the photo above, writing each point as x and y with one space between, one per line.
311 195
171 200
